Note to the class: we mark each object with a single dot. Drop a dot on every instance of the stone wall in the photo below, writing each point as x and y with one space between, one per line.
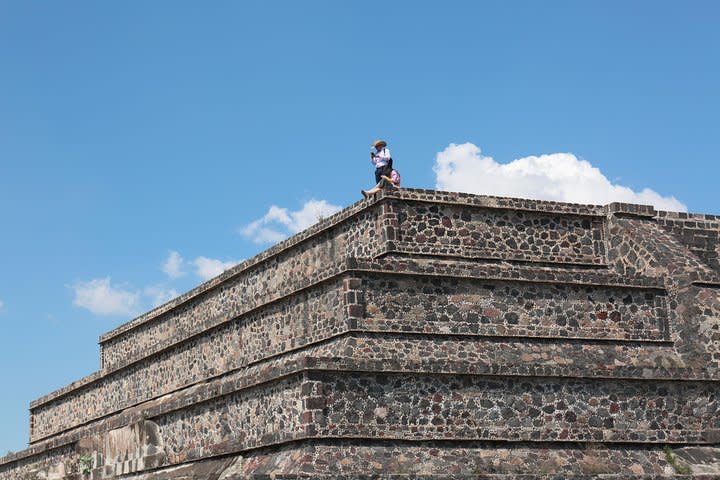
507 308
253 285
263 415
50 464
700 233
308 317
424 407
433 460
477 232
435 334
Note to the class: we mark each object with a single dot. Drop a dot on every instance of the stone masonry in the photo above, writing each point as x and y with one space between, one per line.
417 334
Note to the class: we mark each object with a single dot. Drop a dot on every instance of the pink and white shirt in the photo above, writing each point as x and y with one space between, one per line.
395 177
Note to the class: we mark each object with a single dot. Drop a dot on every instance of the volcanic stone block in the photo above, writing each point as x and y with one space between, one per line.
463 306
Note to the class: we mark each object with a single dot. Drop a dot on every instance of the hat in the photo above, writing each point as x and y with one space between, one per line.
379 143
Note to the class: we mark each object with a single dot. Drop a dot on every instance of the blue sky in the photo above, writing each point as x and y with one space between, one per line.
145 146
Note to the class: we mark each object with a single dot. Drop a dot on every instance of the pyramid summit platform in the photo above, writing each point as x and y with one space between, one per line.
417 334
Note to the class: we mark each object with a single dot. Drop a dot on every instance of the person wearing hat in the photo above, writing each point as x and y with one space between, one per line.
381 159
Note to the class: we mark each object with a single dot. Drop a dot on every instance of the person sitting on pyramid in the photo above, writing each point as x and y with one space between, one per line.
393 181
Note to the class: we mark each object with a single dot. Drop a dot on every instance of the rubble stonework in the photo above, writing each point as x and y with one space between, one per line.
417 334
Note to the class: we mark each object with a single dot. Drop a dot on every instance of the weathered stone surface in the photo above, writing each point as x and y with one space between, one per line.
435 460
462 231
310 316
439 305
418 334
699 233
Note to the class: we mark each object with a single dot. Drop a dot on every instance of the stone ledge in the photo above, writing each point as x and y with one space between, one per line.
415 249
473 329
447 460
396 353
32 451
631 209
61 392
402 264
497 356
492 202
687 216
223 318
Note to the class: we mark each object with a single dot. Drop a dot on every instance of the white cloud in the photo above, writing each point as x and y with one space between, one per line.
261 234
173 265
278 222
160 294
204 267
207 268
2 305
102 298
558 176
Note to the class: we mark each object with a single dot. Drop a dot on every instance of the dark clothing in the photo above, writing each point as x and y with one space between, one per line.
385 184
380 171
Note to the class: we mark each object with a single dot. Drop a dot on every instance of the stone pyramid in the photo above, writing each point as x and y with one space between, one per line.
417 334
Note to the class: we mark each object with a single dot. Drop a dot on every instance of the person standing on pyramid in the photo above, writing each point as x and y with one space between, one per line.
381 159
